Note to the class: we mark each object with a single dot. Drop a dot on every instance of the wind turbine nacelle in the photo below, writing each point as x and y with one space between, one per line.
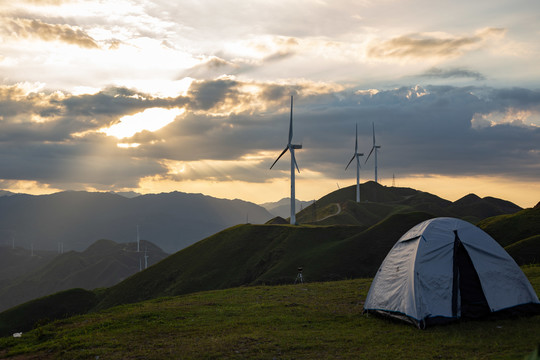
296 146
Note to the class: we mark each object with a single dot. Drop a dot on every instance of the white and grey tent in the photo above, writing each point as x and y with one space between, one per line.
444 269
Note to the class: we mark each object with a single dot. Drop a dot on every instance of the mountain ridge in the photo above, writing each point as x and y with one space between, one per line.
102 264
77 219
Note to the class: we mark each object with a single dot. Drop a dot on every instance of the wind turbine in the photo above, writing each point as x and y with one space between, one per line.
138 238
375 147
145 259
291 147
357 156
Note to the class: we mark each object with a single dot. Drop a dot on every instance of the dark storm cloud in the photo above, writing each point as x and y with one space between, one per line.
205 95
518 97
115 101
34 28
421 131
75 164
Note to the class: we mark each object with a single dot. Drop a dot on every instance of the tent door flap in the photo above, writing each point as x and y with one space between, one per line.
468 299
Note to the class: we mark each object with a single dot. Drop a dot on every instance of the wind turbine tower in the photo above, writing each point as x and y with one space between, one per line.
375 147
357 157
291 147
138 238
145 259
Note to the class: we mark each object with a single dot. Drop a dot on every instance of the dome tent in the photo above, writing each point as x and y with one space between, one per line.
444 269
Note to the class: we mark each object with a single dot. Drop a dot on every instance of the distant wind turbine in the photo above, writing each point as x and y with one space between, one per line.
357 157
145 259
138 238
375 147
291 147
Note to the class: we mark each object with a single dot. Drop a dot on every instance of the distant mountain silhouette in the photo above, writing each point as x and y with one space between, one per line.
103 264
172 221
17 262
282 207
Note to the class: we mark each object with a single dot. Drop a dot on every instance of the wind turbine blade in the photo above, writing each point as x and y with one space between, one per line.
356 140
373 133
280 155
369 154
290 124
354 156
294 159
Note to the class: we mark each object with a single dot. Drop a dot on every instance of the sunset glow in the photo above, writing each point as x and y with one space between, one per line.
150 120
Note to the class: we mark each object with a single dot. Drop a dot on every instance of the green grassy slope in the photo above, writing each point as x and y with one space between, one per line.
309 321
60 305
379 202
240 255
526 251
271 254
508 229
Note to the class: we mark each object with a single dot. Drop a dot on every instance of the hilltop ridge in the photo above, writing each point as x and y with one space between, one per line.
378 202
77 219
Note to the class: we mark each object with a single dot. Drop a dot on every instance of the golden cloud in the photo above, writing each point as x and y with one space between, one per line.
426 45
32 28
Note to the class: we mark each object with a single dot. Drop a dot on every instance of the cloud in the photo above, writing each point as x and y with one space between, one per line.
212 68
258 53
429 46
233 130
34 28
435 72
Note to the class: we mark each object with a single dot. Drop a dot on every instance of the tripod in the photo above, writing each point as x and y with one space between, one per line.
299 277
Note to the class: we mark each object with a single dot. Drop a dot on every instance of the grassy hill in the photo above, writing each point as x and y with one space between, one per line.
519 233
511 228
259 254
270 254
45 309
103 264
340 239
308 321
379 202
526 251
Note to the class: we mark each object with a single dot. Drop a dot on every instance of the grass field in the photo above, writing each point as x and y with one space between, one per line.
305 321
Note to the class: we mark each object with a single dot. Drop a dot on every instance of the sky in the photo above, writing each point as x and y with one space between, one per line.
194 96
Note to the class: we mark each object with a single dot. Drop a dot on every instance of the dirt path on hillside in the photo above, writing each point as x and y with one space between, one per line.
337 212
